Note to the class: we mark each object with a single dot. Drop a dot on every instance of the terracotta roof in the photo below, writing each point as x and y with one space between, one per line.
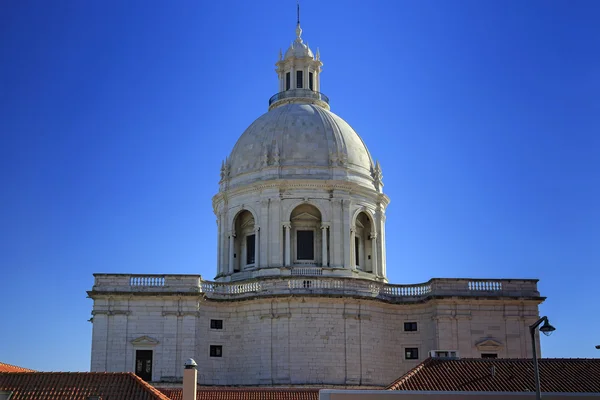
77 386
241 393
13 368
557 375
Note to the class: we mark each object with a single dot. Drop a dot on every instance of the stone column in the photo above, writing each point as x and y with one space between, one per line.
256 246
324 228
374 250
231 250
219 245
288 247
292 78
346 237
352 249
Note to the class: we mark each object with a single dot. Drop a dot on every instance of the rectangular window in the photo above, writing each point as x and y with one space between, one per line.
411 353
143 364
216 351
356 252
299 79
489 355
288 81
305 245
250 239
216 324
310 81
410 327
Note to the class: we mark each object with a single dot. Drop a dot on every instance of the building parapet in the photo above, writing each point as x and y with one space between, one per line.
313 285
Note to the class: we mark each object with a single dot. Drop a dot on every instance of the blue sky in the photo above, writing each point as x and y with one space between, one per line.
115 116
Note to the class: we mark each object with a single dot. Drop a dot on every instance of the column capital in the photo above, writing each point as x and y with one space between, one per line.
232 234
325 225
256 228
287 225
373 236
353 229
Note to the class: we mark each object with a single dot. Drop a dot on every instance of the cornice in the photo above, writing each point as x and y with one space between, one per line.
298 184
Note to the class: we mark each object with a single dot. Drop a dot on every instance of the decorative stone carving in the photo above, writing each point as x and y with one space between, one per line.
144 341
275 154
489 345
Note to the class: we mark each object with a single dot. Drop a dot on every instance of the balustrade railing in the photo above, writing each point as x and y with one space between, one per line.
147 281
312 280
307 271
299 93
488 286
406 290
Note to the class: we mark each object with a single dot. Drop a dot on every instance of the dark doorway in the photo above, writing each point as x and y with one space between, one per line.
306 245
143 364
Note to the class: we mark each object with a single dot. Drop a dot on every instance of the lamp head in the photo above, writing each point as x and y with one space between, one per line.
547 329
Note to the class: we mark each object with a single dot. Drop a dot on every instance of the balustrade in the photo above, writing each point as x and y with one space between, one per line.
307 271
311 280
149 280
489 286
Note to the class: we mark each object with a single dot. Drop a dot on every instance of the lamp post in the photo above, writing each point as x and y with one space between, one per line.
547 330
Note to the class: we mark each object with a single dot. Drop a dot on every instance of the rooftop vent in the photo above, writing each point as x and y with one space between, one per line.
444 354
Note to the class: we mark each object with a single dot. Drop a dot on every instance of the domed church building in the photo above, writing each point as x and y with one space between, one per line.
300 295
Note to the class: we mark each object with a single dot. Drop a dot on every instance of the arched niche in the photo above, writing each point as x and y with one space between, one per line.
306 235
362 245
245 242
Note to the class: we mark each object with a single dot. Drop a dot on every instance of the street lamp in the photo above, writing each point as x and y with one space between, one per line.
547 330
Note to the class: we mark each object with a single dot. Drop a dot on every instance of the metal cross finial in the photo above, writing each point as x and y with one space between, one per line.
298 10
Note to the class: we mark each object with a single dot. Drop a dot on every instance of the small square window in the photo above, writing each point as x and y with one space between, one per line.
216 351
216 324
489 355
411 353
410 327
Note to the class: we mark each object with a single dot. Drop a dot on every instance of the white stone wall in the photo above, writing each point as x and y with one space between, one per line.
300 340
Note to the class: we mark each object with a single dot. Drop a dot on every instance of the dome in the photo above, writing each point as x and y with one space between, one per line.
300 141
298 50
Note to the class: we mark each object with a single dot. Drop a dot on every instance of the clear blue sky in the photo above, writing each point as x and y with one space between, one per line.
115 116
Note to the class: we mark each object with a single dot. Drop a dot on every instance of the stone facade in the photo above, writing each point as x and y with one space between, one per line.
303 330
301 295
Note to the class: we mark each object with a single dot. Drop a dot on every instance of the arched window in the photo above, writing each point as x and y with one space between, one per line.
306 239
363 249
245 242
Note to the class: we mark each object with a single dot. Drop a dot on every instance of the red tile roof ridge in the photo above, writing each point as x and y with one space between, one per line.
59 385
559 375
5 367
149 388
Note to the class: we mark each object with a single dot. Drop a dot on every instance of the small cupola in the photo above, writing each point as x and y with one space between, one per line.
298 72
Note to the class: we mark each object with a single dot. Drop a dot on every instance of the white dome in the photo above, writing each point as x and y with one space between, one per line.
298 50
300 141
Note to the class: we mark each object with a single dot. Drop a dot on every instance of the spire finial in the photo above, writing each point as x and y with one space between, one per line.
298 29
